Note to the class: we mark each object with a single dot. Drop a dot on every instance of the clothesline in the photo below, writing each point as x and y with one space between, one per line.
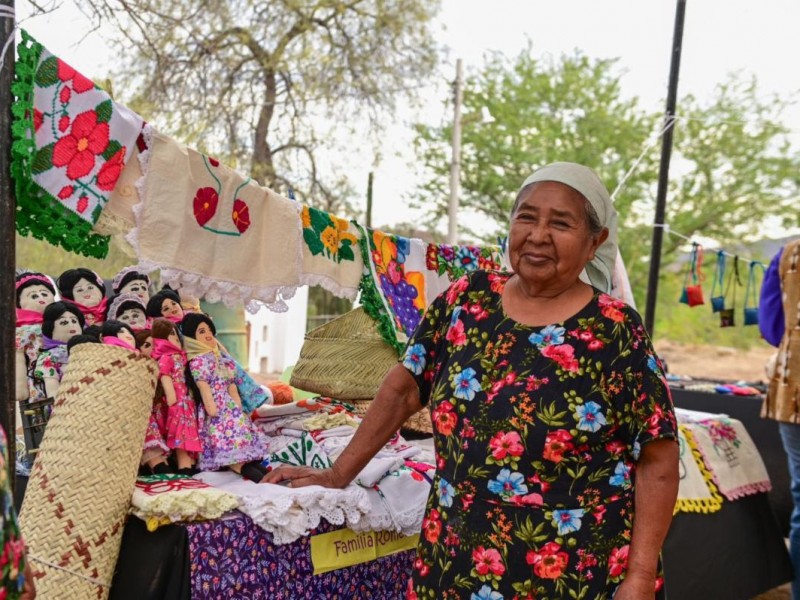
669 230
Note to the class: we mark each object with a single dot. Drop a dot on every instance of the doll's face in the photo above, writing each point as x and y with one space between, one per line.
147 347
86 293
205 336
137 287
127 336
170 308
65 327
35 298
134 317
174 339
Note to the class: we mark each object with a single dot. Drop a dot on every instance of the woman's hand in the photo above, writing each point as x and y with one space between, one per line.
303 476
29 588
636 588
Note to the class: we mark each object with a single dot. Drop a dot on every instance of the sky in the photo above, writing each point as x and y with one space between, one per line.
720 37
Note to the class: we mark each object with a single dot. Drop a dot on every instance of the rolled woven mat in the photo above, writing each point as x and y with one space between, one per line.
80 487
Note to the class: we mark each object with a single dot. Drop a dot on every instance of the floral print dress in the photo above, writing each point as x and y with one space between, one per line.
537 433
230 437
50 363
12 563
181 423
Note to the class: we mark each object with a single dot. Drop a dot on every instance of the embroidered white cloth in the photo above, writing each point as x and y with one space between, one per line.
376 469
397 503
290 513
731 456
694 494
214 233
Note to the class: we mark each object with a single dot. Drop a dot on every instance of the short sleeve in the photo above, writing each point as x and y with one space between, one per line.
770 304
165 365
200 367
648 408
425 350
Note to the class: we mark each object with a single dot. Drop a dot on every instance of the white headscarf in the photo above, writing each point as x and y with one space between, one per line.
585 181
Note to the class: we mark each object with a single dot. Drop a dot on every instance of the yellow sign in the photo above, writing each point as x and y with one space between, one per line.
345 548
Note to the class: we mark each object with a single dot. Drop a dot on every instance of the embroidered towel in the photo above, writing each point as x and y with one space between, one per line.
331 258
731 457
213 232
71 142
397 503
696 490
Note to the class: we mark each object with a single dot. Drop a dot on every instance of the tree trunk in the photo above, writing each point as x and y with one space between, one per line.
261 167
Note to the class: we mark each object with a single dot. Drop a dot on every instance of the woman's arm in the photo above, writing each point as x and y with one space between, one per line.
654 499
396 400
207 397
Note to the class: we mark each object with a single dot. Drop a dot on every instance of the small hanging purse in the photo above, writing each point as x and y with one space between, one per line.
693 294
717 287
751 311
727 315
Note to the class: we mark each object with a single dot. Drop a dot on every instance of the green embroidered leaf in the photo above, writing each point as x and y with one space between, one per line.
315 245
43 161
47 73
346 251
111 150
104 110
320 220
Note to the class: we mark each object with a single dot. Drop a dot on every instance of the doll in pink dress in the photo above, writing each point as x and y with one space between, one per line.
229 437
155 452
85 289
182 431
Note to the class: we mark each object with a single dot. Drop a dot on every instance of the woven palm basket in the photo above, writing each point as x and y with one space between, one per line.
344 359
81 483
419 422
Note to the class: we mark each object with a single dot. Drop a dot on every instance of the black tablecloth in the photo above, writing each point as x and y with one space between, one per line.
765 435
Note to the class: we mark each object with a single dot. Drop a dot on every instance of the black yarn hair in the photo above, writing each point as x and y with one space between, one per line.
94 331
191 321
37 279
112 328
67 280
53 312
81 338
157 299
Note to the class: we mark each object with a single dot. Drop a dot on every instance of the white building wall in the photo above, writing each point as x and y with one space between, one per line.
276 338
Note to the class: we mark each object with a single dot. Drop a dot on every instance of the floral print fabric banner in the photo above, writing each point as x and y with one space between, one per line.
71 143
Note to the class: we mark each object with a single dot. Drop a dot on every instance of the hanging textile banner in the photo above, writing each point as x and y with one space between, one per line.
214 233
71 142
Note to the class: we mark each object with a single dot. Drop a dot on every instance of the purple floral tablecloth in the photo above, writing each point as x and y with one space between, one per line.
234 558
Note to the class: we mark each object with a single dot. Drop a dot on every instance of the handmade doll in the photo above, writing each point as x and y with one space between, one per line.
131 280
81 338
229 437
182 434
155 452
117 333
35 292
167 304
61 322
130 309
85 289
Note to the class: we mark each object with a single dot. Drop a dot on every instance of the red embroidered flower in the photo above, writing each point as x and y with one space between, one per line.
110 171
214 162
65 95
77 150
65 192
38 119
83 204
549 562
205 204
79 83
241 215
63 123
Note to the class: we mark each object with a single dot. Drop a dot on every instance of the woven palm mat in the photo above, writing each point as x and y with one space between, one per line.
81 483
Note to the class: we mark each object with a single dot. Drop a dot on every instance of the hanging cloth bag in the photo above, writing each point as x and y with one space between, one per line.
751 300
726 315
718 286
693 294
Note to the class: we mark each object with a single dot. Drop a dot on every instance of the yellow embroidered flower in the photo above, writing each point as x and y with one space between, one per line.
343 226
330 238
306 218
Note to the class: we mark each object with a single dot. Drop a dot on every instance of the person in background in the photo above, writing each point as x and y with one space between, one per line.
779 322
555 434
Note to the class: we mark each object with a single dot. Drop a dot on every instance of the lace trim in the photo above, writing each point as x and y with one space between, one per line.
704 505
330 284
38 213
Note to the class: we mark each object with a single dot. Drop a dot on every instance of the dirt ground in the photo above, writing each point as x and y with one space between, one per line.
715 362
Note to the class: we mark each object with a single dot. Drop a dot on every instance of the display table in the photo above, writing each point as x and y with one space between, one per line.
233 558
764 433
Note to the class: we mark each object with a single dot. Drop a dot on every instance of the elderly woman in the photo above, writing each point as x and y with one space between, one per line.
557 466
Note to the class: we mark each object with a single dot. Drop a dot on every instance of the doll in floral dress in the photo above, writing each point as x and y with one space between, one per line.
229 437
155 452
181 427
61 322
35 292
85 289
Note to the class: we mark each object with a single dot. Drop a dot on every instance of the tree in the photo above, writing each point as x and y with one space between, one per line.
254 81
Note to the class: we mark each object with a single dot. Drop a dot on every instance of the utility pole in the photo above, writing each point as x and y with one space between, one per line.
7 241
663 170
455 164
